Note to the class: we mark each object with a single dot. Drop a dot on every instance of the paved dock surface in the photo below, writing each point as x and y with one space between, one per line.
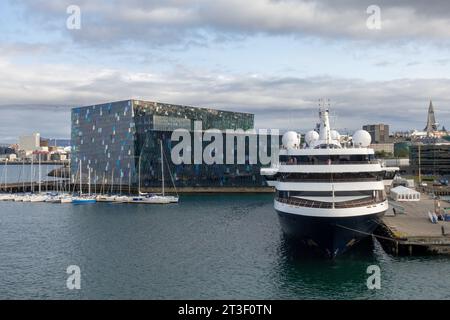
414 222
413 228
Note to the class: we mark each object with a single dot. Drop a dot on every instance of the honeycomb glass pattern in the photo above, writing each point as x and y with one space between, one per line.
110 139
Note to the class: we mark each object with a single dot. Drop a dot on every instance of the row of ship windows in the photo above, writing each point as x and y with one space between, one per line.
372 193
326 159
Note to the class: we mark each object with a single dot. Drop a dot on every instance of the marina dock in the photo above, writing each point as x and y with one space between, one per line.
21 187
409 230
28 162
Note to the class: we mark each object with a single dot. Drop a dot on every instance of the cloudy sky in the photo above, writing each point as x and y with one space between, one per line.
274 58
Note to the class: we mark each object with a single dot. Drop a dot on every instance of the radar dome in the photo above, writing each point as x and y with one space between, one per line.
335 135
361 138
311 136
291 140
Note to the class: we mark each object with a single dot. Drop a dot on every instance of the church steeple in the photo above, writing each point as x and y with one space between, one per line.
431 121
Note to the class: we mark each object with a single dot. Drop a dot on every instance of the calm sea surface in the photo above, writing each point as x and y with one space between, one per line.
205 247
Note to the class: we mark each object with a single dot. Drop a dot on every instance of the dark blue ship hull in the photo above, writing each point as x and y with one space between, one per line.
329 236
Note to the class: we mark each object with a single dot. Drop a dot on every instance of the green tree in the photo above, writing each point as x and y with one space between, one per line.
383 154
402 153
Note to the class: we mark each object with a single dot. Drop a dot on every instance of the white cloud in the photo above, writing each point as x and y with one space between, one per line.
174 21
62 73
290 100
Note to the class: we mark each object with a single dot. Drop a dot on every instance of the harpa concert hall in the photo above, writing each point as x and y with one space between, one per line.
119 143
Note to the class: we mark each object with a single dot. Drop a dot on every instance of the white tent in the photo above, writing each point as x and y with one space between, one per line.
402 193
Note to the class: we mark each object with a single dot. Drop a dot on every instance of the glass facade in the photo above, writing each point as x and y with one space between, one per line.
434 159
110 138
103 139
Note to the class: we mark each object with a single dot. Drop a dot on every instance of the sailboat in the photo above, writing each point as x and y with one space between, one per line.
121 198
155 198
105 197
81 199
19 196
6 196
39 197
65 196
102 197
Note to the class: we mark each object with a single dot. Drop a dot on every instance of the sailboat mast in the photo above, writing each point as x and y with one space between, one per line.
139 176
81 180
112 180
89 180
46 178
32 174
39 173
23 175
56 179
129 181
120 183
162 166
59 184
6 174
102 190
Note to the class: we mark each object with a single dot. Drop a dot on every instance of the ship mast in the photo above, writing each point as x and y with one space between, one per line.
324 130
162 167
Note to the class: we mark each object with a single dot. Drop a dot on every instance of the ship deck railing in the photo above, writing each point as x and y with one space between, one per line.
330 180
332 162
329 205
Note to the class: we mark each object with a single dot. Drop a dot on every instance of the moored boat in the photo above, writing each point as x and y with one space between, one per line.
329 193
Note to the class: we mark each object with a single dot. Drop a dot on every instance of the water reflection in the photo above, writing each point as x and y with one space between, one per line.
303 274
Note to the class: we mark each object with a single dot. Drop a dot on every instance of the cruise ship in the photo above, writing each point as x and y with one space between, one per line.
329 194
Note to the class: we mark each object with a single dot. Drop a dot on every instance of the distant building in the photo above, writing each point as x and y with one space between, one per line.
378 132
433 157
431 120
6 150
9 157
59 142
415 134
58 156
383 147
30 143
431 129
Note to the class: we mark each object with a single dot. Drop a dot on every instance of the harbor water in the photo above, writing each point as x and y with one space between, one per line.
205 247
